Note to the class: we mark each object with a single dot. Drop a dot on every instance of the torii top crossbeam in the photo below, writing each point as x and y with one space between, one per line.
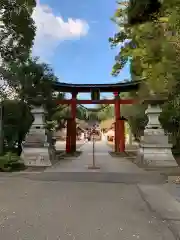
85 88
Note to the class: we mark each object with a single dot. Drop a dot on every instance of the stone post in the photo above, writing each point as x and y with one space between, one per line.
155 150
35 149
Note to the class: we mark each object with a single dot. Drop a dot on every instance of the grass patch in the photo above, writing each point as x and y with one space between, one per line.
11 162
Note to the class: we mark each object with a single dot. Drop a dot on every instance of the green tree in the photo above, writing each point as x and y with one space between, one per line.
147 44
32 82
16 123
63 112
17 29
82 112
105 112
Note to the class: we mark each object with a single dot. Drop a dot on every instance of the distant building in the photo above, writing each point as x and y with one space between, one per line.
81 126
108 128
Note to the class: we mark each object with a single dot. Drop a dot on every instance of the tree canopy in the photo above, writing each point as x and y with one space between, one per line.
17 29
149 45
148 36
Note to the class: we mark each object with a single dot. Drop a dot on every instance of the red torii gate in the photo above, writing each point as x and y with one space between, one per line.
117 88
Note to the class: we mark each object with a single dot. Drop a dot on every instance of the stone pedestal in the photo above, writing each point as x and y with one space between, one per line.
35 150
155 150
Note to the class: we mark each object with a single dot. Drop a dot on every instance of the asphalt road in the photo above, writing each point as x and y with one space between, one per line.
36 210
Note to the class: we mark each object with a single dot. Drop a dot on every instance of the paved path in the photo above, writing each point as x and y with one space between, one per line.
102 159
61 145
115 170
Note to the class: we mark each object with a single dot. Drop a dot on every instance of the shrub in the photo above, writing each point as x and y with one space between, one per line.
10 162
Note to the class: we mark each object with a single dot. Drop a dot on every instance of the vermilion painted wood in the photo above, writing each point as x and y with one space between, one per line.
102 101
119 125
122 136
73 123
68 136
117 114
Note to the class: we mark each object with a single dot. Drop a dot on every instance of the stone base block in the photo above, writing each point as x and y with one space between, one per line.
36 157
156 157
156 139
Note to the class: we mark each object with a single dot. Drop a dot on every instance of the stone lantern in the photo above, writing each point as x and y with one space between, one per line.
35 149
155 149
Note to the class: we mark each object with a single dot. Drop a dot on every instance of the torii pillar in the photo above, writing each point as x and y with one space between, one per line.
117 117
119 126
71 127
73 123
68 136
122 134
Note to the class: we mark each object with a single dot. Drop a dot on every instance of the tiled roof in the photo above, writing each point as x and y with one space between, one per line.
122 87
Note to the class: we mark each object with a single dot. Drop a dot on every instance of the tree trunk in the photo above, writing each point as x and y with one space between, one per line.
19 149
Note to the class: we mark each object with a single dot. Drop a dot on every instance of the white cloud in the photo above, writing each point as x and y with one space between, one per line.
52 30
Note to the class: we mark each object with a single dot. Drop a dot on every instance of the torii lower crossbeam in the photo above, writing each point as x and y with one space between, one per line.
102 101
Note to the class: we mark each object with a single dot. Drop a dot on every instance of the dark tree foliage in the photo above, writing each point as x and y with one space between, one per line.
140 11
17 29
17 120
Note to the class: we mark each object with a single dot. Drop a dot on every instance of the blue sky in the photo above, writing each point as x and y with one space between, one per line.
84 56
